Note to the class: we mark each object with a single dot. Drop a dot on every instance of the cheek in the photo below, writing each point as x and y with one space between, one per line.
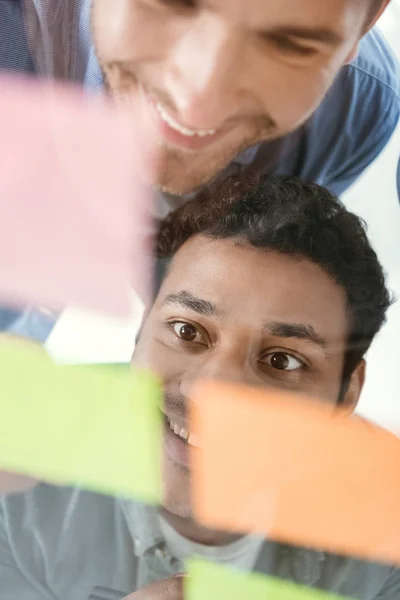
327 382
176 489
289 93
298 97
151 354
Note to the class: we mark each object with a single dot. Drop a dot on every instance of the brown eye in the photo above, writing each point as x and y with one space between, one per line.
283 361
279 361
186 331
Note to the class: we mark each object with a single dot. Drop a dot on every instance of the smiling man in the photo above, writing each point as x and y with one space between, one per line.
275 286
219 77
225 76
296 87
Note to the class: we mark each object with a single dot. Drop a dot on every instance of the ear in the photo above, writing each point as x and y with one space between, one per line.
373 18
354 388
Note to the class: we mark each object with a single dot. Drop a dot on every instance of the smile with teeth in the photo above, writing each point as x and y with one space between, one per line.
184 434
180 128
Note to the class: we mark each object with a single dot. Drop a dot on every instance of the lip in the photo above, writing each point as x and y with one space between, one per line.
175 448
173 137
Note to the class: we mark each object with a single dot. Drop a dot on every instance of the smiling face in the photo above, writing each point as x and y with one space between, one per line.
230 311
216 77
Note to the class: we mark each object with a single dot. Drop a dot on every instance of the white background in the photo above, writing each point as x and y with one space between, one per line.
374 197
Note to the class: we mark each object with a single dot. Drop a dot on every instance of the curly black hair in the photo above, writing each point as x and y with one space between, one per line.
299 219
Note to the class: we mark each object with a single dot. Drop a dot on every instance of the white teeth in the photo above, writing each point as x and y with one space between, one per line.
184 434
194 440
190 438
183 130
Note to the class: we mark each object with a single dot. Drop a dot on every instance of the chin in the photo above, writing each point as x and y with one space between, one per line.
178 176
176 489
180 173
179 507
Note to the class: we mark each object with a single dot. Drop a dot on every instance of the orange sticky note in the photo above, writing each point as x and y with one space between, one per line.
295 470
73 209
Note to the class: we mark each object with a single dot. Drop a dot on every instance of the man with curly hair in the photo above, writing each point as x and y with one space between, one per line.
271 284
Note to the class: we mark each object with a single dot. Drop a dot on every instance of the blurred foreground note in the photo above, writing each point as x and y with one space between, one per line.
98 427
215 582
296 470
73 213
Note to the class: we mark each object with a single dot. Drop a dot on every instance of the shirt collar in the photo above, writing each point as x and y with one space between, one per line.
298 564
143 524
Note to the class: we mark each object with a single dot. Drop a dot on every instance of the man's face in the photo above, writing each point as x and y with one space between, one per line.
216 77
230 311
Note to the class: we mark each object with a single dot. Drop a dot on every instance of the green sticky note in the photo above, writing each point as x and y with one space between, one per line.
215 582
99 428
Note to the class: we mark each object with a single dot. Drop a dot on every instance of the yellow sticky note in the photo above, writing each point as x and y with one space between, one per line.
215 582
99 428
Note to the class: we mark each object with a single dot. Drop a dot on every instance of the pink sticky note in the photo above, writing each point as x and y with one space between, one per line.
74 211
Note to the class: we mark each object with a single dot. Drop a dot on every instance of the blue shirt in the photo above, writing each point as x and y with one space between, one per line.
398 179
343 136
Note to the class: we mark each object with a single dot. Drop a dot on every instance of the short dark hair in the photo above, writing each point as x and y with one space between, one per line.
301 220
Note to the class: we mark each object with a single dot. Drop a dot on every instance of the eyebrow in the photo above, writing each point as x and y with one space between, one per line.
185 299
318 34
295 330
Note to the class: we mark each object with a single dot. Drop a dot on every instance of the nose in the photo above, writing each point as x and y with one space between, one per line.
225 366
202 75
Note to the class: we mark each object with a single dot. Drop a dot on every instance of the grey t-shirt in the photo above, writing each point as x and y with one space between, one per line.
241 553
62 543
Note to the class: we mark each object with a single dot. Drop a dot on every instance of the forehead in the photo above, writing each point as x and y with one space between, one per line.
249 286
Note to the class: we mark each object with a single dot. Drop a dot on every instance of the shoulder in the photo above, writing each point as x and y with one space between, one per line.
355 120
342 575
14 50
361 579
376 62
391 587
47 37
43 512
62 539
365 96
